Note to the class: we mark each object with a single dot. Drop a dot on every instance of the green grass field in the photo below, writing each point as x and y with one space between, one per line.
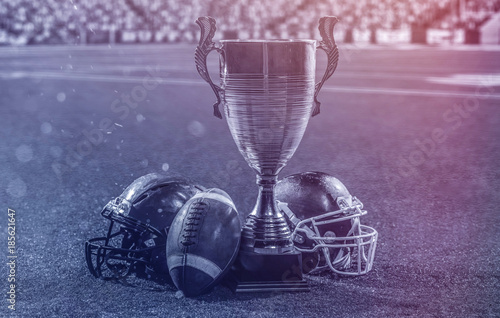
412 131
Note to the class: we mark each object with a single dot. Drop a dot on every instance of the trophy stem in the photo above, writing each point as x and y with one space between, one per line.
267 261
265 230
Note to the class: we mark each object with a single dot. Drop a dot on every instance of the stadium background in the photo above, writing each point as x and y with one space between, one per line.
92 21
411 129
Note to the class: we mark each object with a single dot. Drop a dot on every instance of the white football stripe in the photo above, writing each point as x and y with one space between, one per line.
215 196
194 261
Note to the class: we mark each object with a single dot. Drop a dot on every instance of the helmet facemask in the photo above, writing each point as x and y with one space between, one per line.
127 246
325 244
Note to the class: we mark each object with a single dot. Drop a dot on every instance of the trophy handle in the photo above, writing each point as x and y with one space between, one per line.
328 45
205 46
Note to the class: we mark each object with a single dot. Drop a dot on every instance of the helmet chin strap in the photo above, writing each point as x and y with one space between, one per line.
355 227
343 259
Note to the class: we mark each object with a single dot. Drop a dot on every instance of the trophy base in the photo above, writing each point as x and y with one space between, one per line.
255 272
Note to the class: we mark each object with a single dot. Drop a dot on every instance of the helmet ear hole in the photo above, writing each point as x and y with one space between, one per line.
330 234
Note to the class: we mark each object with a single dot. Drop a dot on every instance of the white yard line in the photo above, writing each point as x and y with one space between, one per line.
198 82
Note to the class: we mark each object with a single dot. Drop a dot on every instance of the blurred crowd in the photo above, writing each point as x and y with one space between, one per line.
77 21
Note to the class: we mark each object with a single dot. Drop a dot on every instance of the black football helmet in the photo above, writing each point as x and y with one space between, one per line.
140 219
325 220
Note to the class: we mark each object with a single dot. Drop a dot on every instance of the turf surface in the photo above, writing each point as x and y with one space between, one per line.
413 132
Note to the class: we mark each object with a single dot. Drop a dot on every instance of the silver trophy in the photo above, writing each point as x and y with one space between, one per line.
269 93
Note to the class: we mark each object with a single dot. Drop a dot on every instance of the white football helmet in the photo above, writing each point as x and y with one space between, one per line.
325 220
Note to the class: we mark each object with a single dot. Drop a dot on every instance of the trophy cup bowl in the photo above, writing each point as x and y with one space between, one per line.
269 93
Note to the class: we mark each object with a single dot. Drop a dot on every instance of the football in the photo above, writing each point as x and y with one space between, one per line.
203 242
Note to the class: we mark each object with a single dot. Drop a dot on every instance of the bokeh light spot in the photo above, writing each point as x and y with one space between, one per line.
17 188
46 128
24 153
196 128
61 97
